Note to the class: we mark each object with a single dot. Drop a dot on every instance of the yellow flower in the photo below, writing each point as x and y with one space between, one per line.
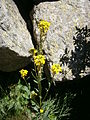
39 60
56 69
43 26
41 110
33 51
33 94
23 73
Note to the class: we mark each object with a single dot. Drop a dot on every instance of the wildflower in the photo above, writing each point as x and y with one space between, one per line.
41 110
39 60
33 51
43 26
33 94
56 69
23 73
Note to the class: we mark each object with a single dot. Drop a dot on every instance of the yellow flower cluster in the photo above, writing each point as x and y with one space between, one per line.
33 51
23 73
43 26
41 110
39 60
56 69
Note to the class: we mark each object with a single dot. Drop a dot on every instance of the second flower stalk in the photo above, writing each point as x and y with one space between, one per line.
39 61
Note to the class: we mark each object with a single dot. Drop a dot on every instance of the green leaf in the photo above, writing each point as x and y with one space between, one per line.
52 117
49 84
36 90
35 81
27 78
26 96
25 88
45 118
35 108
42 79
33 75
45 114
33 103
18 87
34 70
11 104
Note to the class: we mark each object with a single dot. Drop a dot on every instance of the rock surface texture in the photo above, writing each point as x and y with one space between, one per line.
60 45
15 40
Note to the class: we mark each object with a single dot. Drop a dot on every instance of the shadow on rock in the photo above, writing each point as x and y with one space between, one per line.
79 62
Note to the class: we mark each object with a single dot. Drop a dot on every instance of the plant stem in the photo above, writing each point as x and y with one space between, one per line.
40 45
47 91
39 85
26 82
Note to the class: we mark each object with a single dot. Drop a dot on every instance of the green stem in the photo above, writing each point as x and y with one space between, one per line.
39 86
26 82
41 42
47 91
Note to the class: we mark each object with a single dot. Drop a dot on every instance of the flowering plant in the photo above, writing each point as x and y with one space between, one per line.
43 26
39 62
55 69
23 73
33 103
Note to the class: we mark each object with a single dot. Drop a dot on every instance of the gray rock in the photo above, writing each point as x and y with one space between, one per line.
63 15
15 40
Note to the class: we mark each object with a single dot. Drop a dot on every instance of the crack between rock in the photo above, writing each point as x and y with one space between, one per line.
24 8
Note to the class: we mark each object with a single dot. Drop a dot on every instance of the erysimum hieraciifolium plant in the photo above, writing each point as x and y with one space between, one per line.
39 62
22 99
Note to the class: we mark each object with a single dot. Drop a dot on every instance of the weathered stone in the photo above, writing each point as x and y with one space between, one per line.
15 40
63 15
